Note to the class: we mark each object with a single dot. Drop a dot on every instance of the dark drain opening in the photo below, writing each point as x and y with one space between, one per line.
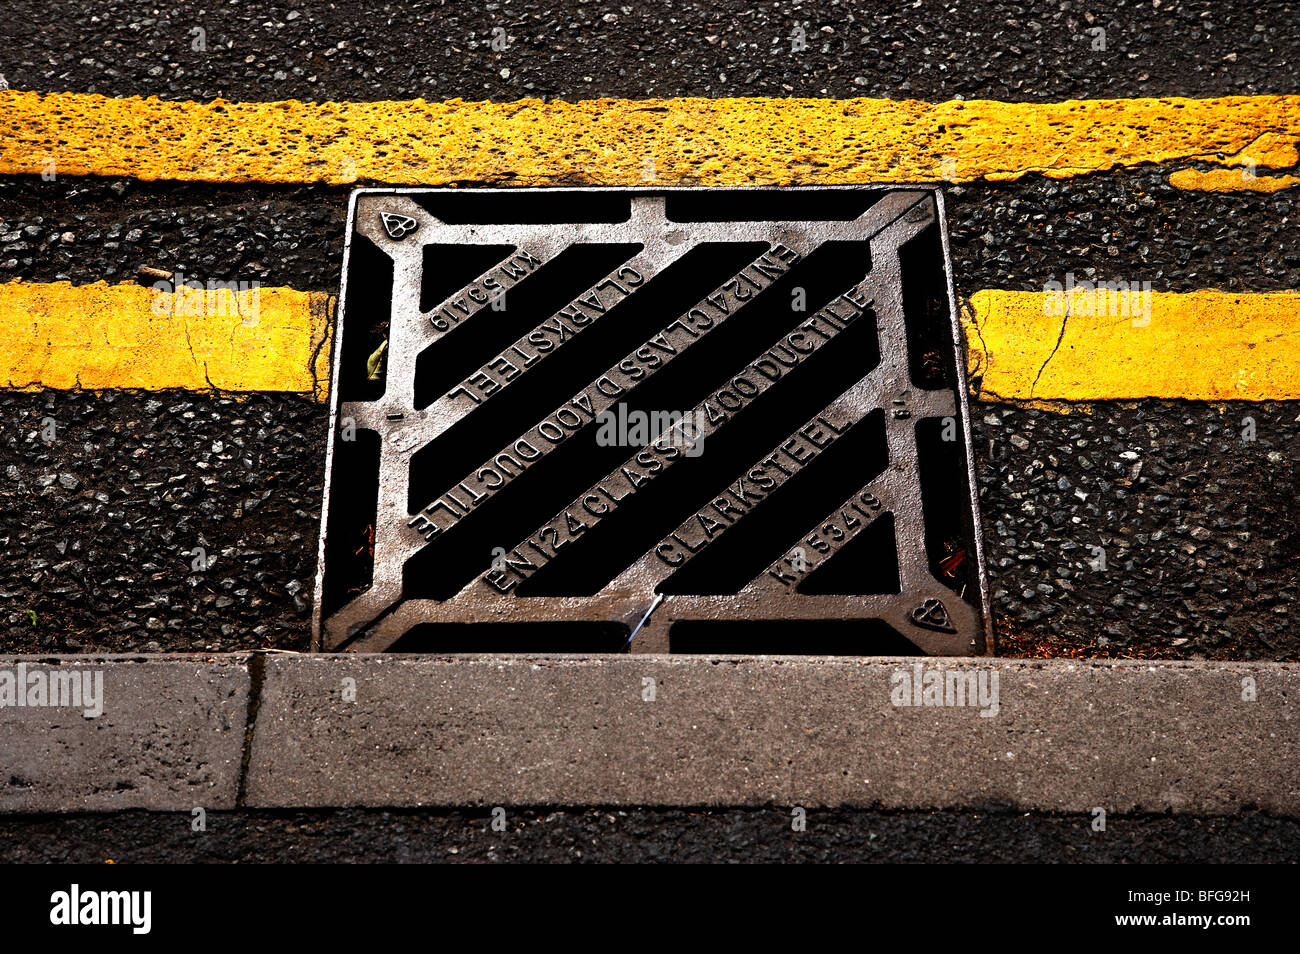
546 206
523 637
369 295
930 354
353 506
870 637
767 205
947 524
727 350
449 563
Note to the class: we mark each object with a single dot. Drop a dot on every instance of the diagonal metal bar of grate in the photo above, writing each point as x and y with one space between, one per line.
649 420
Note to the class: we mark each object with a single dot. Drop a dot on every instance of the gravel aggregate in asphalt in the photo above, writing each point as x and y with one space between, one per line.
99 527
931 49
1147 528
648 835
85 230
1125 225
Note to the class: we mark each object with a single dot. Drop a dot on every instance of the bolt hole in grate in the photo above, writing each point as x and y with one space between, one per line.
640 420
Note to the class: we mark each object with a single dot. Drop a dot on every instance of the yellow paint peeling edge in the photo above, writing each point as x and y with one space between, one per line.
102 336
723 142
1229 180
1021 346
1126 342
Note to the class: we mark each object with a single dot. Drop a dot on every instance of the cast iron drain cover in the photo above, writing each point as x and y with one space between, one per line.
648 420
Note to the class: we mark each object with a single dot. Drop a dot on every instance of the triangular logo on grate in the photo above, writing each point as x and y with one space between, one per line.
933 615
398 226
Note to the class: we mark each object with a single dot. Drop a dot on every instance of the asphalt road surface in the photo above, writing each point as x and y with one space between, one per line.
671 835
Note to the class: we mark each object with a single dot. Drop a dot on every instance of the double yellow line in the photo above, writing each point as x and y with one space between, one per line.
116 336
1201 345
636 142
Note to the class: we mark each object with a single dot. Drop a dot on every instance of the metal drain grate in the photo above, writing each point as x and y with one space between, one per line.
649 420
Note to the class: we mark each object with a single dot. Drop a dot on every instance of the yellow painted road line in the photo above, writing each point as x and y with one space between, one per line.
635 142
1229 180
128 336
1203 346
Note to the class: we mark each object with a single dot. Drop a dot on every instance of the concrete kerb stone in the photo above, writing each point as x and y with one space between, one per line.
1067 736
170 733
395 731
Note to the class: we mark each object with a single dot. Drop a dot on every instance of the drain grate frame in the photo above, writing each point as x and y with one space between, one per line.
438 283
